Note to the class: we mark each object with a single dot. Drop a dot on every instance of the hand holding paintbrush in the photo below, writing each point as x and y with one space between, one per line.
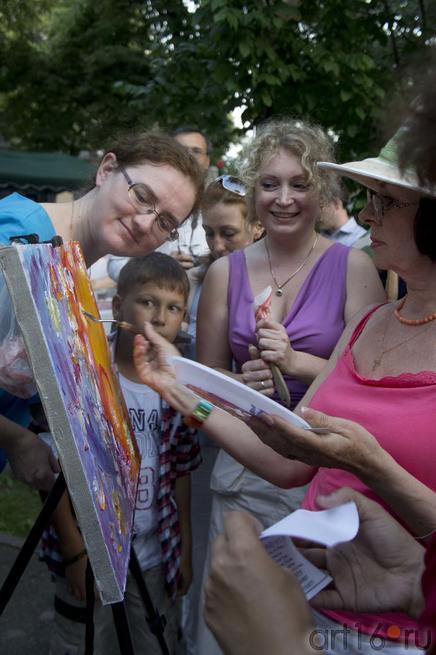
182 337
262 310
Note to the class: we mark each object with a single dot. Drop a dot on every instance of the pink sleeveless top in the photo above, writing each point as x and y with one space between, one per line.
399 412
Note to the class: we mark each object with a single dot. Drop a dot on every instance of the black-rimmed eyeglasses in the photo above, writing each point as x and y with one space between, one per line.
142 199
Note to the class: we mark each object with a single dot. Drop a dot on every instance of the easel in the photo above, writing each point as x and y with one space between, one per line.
155 620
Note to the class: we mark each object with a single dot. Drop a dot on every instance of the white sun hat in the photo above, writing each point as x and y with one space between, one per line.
383 168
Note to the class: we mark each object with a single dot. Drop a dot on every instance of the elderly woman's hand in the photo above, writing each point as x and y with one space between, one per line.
378 571
256 373
151 355
346 445
275 347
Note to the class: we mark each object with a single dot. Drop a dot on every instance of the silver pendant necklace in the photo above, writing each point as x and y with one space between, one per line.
279 290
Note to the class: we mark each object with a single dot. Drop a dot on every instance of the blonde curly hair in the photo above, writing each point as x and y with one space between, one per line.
309 143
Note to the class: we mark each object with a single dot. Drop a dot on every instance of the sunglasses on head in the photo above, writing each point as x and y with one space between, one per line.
232 183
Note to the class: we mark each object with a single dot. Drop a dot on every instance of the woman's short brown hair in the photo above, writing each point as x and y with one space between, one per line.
133 149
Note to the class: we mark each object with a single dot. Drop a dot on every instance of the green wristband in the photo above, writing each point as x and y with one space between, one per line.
199 414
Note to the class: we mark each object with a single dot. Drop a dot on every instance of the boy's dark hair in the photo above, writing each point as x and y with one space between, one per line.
160 269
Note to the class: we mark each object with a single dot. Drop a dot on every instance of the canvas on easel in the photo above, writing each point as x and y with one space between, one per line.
83 402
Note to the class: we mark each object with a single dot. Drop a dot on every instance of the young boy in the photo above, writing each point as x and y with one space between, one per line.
152 288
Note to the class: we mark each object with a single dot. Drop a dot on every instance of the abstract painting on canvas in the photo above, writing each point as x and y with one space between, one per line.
82 399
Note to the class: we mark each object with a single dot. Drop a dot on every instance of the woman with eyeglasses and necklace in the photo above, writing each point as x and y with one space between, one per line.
381 380
317 287
146 185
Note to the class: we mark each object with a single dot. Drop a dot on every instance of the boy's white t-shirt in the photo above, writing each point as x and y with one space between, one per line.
143 405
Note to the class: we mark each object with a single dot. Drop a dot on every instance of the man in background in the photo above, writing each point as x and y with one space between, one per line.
191 243
335 224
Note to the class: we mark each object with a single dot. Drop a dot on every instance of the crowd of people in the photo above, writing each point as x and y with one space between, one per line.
359 367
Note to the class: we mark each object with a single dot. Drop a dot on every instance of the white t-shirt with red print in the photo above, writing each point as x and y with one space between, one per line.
143 405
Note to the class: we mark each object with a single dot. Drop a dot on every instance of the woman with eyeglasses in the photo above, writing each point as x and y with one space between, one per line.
317 287
146 185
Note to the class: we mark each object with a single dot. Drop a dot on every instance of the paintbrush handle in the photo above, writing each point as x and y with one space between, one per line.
121 324
128 326
280 385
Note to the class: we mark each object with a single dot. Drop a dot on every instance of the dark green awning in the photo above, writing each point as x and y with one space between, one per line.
52 171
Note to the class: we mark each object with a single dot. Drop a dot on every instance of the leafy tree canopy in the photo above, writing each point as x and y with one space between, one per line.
75 72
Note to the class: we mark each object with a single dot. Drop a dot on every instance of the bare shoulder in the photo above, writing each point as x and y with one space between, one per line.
350 326
364 287
360 261
358 315
218 271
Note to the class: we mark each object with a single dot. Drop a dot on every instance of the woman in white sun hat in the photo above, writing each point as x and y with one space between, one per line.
381 381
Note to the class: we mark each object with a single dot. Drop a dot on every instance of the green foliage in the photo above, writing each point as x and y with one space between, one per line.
61 90
19 507
84 69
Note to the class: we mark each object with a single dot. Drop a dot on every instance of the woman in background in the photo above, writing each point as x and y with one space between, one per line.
227 228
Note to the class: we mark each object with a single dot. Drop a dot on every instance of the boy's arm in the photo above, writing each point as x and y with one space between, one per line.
72 546
182 495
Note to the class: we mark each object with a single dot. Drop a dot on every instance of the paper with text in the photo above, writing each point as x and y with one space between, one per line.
327 527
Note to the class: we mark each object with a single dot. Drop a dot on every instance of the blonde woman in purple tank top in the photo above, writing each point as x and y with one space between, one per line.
317 287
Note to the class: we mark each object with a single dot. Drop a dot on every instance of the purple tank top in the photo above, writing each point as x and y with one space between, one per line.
315 321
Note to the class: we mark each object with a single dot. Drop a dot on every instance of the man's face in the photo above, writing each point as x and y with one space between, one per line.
197 146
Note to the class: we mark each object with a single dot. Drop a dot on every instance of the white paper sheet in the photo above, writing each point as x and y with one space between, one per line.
327 527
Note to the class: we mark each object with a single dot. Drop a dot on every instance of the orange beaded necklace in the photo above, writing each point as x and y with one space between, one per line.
412 321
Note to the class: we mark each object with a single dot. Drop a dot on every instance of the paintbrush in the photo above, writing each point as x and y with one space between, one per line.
181 338
120 324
